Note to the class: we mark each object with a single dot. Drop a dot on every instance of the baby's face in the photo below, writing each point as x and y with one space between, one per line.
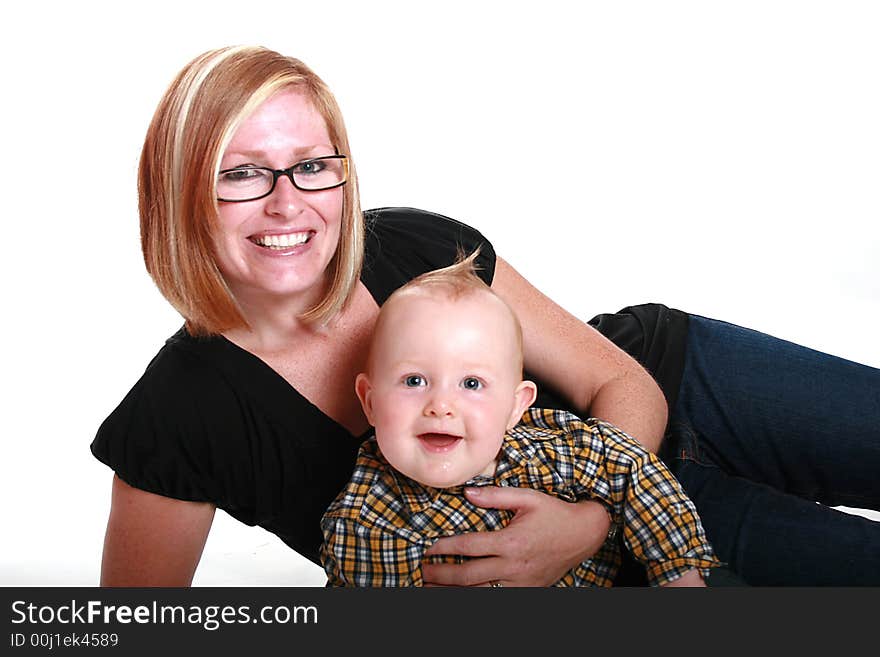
444 386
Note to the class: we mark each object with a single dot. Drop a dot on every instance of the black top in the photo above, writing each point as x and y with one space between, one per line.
209 421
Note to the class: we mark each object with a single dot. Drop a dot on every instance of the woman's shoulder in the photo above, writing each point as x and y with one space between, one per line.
402 217
412 226
188 369
402 243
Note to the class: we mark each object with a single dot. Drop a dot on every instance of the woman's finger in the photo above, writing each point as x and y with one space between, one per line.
497 497
470 544
477 572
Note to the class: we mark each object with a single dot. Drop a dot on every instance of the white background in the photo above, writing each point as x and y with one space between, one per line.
720 157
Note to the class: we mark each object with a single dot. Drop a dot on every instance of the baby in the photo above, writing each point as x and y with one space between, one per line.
444 391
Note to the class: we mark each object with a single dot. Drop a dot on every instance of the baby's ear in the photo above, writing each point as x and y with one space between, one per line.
364 391
524 396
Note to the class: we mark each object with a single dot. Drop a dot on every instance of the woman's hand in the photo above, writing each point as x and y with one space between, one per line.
546 538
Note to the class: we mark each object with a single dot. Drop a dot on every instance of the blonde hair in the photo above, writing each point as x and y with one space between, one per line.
192 125
458 280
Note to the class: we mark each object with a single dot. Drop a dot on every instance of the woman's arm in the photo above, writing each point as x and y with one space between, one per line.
580 363
153 540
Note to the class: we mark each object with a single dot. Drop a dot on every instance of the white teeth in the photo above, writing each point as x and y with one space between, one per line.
282 241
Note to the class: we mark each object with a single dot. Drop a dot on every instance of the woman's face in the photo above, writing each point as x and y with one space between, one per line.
279 245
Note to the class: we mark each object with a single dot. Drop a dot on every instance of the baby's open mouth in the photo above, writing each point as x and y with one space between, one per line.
285 241
439 440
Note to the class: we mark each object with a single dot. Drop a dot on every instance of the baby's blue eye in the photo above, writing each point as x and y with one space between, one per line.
471 383
414 381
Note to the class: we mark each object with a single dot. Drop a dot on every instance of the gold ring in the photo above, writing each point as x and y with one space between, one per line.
496 584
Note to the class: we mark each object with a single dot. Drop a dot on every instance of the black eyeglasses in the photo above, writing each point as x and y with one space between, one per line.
248 183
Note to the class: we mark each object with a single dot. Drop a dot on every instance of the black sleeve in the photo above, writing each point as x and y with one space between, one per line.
402 243
180 433
655 336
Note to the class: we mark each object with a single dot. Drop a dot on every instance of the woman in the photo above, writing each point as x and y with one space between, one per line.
252 229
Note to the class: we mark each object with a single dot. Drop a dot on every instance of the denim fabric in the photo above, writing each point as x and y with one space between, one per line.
767 435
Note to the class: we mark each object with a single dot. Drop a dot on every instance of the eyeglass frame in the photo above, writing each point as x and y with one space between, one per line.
277 173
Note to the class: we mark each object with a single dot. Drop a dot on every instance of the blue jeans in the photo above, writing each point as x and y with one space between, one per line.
767 435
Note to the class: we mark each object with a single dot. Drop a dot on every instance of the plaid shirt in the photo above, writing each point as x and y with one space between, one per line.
377 530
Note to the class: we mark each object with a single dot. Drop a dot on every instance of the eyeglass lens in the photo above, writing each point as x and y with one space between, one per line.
248 182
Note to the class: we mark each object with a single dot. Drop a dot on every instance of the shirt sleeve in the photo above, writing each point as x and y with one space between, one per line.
402 243
660 524
363 547
354 554
179 433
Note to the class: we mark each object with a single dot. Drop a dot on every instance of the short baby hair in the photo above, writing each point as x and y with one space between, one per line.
458 280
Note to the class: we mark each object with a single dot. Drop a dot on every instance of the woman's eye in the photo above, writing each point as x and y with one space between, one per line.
242 175
471 383
309 167
414 381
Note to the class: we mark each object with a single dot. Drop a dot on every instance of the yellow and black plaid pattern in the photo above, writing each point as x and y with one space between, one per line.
377 530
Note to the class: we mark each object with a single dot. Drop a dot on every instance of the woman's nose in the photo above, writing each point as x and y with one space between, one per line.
285 200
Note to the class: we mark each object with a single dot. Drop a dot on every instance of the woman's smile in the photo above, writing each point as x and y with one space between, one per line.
284 242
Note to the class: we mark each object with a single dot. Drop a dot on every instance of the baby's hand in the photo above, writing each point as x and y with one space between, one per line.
690 578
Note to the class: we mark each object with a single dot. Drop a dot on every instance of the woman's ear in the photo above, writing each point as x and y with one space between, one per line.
364 391
523 397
